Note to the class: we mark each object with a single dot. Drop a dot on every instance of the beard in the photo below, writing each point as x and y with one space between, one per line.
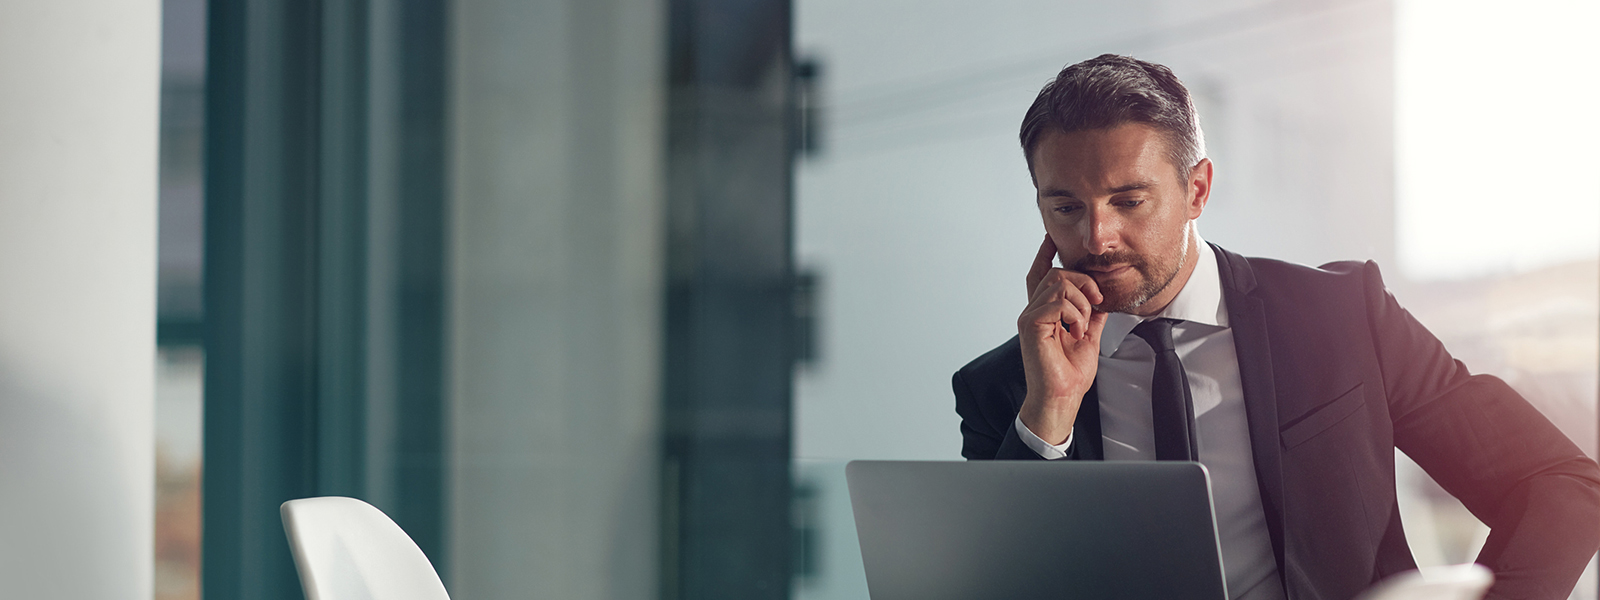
1153 278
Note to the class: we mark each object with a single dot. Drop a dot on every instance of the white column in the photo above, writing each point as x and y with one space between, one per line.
79 86
556 274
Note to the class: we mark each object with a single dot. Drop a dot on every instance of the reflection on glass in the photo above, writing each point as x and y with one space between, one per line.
179 380
1342 130
179 367
1536 330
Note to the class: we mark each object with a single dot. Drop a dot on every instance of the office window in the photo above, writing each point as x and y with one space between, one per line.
1323 121
439 278
1511 291
179 311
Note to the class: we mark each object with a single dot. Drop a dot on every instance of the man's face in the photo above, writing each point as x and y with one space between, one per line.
1119 211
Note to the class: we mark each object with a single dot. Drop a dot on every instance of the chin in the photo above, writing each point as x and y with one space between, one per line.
1126 298
1120 302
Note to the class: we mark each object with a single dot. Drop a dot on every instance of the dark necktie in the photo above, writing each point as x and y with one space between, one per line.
1171 408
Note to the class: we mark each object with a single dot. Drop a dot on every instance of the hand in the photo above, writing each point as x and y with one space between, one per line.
1060 335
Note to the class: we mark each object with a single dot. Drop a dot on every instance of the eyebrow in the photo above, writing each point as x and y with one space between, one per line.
1137 185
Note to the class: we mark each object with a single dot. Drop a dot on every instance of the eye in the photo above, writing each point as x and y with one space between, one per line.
1067 209
1130 203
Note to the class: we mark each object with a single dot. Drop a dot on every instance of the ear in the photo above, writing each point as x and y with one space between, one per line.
1199 187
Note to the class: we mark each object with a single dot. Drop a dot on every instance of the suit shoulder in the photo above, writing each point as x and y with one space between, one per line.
1338 270
1290 291
1284 276
995 365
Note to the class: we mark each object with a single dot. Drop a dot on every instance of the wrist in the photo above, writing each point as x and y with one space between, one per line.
1050 418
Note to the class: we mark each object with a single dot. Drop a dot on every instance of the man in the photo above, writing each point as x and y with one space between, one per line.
1293 385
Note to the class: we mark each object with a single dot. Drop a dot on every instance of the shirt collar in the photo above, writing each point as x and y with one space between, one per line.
1200 301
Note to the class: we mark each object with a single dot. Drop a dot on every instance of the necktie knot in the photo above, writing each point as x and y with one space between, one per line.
1157 333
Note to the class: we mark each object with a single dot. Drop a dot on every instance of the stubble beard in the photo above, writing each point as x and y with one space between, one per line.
1155 281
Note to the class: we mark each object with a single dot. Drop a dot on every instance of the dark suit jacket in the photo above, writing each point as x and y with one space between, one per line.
1336 375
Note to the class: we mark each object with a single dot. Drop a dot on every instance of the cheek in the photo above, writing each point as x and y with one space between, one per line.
1165 229
1068 248
1065 238
1053 227
1062 227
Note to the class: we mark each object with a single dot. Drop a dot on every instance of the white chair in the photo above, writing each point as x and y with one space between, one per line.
1454 582
346 549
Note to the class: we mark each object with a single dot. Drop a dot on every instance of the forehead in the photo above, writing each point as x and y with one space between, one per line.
1096 160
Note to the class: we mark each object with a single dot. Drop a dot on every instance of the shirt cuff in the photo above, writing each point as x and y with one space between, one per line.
1044 449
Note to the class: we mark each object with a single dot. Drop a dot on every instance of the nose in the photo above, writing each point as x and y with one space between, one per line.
1101 231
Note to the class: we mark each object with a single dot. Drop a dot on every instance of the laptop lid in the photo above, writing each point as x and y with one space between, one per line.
1026 529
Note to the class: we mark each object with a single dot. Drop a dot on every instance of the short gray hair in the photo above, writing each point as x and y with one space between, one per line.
1110 90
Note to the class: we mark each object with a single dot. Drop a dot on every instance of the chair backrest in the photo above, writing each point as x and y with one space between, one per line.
346 549
1454 582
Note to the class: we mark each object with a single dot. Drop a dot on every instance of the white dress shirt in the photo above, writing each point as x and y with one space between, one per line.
1205 347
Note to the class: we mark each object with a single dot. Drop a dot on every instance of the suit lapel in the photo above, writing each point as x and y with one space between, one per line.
1248 320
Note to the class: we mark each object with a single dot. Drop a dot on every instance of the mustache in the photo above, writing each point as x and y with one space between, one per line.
1108 259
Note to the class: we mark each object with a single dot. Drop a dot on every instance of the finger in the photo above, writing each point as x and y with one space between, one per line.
1053 311
1046 316
1052 286
1097 326
1087 350
1073 318
1086 285
1042 261
1060 285
1079 289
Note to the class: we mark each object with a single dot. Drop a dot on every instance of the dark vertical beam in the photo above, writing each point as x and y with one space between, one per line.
726 488
223 489
343 248
284 278
260 442
419 328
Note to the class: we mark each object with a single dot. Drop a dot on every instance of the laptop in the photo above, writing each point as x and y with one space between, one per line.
1034 529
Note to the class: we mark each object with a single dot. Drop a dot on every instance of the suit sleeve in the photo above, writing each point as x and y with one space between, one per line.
1489 447
981 439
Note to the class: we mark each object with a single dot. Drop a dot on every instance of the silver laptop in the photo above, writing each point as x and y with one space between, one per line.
1027 529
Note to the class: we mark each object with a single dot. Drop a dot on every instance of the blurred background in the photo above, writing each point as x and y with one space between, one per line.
597 298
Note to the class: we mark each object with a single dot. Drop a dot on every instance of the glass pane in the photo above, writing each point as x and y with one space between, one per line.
1511 292
180 359
179 381
1339 131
